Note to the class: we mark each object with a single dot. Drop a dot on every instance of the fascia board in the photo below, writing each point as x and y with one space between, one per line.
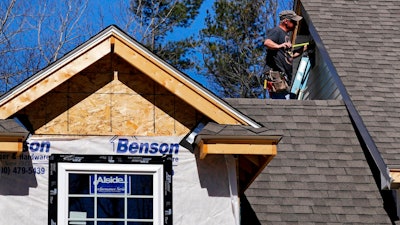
56 65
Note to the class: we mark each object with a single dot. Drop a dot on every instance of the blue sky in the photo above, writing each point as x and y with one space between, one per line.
98 15
106 7
110 8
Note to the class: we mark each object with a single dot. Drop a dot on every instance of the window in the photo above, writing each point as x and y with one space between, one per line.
110 190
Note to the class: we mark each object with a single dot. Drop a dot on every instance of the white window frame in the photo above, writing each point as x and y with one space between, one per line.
63 182
160 169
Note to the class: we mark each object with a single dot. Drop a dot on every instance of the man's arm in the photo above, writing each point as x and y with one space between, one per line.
274 46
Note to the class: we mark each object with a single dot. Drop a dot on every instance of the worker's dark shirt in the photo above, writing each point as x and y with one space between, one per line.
279 60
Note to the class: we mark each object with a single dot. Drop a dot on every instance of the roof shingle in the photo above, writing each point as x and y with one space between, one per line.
362 39
320 174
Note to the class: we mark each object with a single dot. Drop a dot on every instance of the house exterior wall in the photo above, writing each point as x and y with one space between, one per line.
202 189
91 113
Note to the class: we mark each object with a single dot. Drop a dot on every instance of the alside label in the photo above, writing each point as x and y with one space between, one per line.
109 184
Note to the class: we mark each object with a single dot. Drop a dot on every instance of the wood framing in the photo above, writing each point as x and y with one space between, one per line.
11 144
165 77
250 166
253 154
249 147
111 41
395 175
111 100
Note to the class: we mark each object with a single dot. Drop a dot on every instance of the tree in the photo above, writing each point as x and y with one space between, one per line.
232 45
150 21
34 34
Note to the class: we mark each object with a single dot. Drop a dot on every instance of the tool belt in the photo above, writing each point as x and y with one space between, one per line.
276 81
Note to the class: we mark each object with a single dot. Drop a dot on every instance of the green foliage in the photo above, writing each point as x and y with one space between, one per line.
34 35
232 46
156 19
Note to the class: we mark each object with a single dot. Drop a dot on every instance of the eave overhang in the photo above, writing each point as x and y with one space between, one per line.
12 136
253 152
11 144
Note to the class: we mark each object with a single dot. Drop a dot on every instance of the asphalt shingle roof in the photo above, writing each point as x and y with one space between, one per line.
10 126
320 174
235 130
363 42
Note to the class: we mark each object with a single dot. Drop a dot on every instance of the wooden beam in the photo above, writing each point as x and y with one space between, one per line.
236 148
248 149
246 181
254 156
11 147
203 151
166 77
246 165
395 175
255 159
52 80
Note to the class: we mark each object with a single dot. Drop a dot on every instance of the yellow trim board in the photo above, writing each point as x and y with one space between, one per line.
248 149
9 146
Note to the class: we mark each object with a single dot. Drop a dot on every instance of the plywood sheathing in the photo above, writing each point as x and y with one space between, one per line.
164 76
111 98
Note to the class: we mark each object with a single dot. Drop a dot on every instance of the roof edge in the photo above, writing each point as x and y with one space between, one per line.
355 116
57 64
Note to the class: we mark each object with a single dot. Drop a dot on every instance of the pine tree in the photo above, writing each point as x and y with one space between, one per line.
232 46
154 20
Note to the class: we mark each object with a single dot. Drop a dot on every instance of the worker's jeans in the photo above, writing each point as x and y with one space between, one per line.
281 95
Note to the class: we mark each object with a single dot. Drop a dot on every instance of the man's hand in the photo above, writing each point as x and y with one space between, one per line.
285 45
272 45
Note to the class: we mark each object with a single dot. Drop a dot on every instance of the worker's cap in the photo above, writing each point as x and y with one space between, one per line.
289 14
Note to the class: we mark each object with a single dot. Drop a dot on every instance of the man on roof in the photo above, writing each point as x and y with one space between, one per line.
279 53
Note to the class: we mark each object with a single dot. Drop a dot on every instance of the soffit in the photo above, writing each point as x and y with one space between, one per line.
12 136
253 147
